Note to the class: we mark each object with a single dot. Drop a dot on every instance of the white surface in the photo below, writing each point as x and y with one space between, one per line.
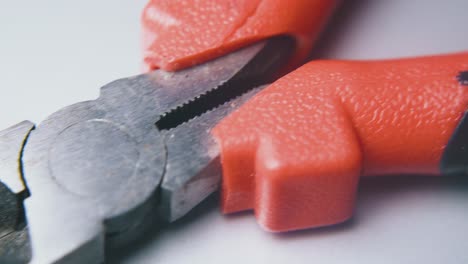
54 53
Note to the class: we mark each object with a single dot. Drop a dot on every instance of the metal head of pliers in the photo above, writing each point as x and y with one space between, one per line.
93 172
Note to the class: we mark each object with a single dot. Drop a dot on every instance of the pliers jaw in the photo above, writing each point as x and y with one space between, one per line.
97 169
14 240
193 169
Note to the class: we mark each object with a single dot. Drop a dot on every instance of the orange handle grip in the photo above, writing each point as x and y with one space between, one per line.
179 34
294 153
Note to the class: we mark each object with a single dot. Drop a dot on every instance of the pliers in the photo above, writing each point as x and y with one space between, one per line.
153 146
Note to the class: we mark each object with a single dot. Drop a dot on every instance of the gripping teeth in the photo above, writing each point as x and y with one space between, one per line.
262 67
203 103
185 112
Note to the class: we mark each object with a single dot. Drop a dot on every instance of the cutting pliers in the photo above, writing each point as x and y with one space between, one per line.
152 147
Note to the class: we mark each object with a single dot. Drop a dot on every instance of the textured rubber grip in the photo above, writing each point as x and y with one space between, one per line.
178 34
294 153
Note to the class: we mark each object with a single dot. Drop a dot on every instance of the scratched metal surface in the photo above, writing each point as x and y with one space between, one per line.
54 53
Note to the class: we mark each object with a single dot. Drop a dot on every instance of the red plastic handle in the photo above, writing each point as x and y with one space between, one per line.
295 152
179 34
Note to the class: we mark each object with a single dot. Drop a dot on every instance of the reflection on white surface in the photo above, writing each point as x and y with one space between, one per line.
54 53
398 220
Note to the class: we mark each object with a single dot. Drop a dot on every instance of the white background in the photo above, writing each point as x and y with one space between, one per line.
54 53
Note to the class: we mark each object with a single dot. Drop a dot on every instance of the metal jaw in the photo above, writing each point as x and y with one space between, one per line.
96 169
14 246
